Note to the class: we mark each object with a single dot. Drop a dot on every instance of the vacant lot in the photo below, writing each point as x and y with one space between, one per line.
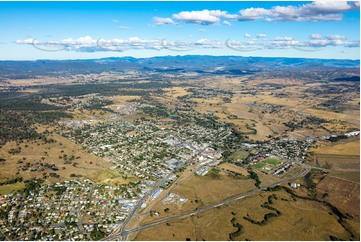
234 168
10 188
208 190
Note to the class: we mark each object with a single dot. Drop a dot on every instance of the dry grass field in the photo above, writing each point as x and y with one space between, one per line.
208 190
299 220
201 191
36 152
117 99
349 146
342 158
175 92
262 132
344 194
234 168
352 118
10 188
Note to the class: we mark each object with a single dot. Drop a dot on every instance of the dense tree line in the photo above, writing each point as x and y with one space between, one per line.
97 234
337 138
341 216
24 102
267 216
12 181
96 103
107 89
253 175
17 125
309 120
239 231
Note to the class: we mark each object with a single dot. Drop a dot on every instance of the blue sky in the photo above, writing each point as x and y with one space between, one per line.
78 30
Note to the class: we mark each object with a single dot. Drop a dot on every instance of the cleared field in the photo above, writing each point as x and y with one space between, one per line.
273 161
239 155
259 165
240 109
266 178
342 158
108 176
10 188
350 146
344 194
299 220
349 175
263 132
175 92
234 168
201 191
339 162
208 190
124 98
350 118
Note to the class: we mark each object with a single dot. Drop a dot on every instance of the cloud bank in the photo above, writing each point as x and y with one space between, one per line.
315 11
310 12
88 44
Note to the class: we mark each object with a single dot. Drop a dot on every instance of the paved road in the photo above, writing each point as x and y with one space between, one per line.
2 237
160 199
118 231
124 233
137 207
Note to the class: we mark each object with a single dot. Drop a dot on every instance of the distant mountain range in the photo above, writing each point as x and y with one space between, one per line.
235 65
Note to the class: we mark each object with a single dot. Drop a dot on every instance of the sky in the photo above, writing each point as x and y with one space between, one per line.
84 30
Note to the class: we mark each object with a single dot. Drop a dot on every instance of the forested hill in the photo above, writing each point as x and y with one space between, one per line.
237 65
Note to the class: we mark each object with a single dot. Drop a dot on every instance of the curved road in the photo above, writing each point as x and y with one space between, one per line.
124 233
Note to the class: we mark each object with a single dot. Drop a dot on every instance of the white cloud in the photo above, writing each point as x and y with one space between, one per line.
123 27
163 21
225 22
261 35
205 43
315 36
26 41
88 44
115 21
247 35
285 38
287 42
335 37
315 11
253 13
204 17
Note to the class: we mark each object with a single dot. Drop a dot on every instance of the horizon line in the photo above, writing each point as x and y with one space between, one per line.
162 56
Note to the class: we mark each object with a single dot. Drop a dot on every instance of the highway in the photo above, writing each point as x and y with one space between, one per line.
124 233
118 231
137 207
